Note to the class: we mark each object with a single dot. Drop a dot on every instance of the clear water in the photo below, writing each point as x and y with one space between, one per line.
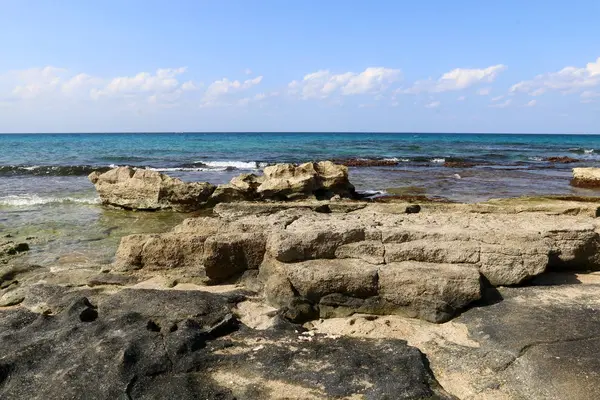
44 186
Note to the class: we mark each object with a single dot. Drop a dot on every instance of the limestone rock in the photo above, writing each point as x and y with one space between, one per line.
428 265
142 189
229 254
322 180
586 177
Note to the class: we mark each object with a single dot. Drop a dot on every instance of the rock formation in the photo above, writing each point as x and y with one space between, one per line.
177 344
586 177
428 265
143 189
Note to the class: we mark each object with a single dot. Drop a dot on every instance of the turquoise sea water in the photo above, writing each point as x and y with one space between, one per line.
44 190
38 168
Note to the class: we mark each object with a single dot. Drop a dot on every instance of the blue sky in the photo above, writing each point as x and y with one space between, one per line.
426 66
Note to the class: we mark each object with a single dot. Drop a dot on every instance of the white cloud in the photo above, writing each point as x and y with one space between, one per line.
322 84
531 103
247 71
433 104
588 96
80 82
484 91
461 98
497 98
504 104
457 79
163 81
34 82
257 98
189 86
566 80
225 86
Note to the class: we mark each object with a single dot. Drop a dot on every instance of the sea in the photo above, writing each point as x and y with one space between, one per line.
46 198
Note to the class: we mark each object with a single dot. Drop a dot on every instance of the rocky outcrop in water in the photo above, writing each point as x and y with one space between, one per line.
562 160
142 189
428 265
586 177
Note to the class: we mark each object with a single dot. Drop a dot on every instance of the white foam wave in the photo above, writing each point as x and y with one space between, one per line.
234 164
34 199
536 159
588 151
198 169
373 193
438 160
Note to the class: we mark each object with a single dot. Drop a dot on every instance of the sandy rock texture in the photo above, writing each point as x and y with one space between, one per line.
143 189
375 259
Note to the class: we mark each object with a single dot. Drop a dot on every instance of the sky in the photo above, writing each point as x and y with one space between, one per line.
272 65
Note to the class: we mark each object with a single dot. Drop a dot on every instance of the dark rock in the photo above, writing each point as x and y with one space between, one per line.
153 344
459 164
363 162
562 160
413 209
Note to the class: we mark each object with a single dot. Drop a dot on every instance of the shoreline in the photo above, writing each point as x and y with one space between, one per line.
276 299
261 328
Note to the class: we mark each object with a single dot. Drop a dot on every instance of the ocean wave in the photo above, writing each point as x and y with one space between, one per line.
581 150
438 160
186 169
534 158
248 165
50 170
34 199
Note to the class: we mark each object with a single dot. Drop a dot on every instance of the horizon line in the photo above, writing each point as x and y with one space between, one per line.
293 132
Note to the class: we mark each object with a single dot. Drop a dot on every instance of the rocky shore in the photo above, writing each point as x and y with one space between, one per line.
293 287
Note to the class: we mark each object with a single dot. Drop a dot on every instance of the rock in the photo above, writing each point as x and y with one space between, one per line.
459 164
363 162
350 262
530 343
586 177
433 292
229 254
147 344
321 180
8 249
142 189
428 291
562 160
413 209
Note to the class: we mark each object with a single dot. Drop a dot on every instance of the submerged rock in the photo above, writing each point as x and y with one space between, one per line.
142 189
562 160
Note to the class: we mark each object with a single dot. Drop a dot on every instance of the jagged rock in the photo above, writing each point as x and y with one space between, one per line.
142 189
321 180
9 249
586 177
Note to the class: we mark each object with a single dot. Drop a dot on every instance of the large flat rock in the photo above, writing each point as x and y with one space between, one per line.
429 265
158 344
